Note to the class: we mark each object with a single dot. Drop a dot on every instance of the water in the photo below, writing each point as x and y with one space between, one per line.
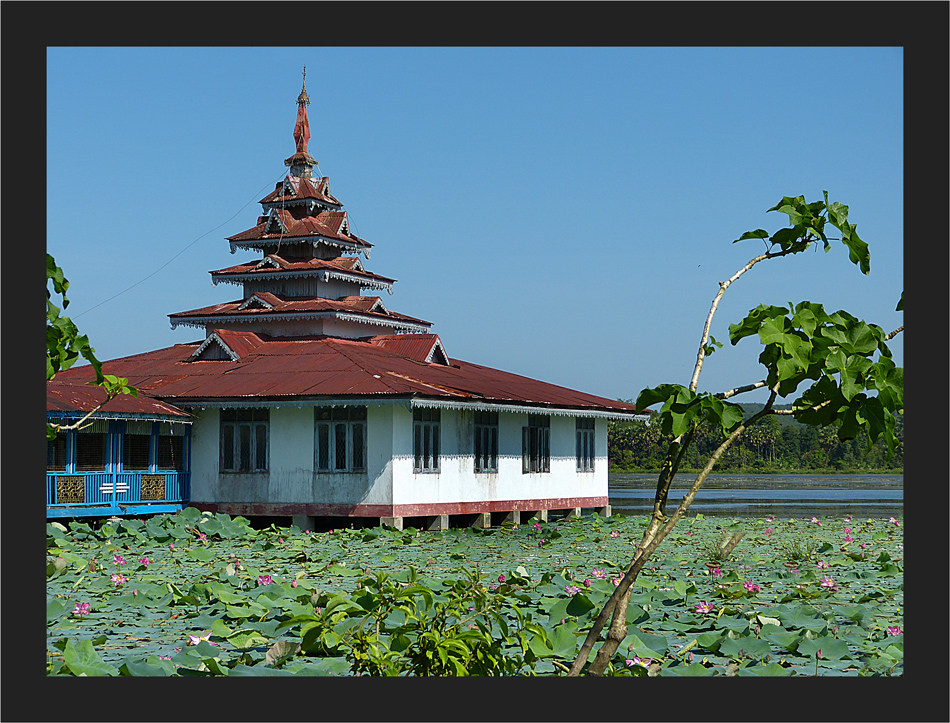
751 495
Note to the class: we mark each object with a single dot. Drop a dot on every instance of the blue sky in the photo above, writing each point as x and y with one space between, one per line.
561 213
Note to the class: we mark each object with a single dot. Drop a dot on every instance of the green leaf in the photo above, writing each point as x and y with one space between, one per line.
758 233
82 660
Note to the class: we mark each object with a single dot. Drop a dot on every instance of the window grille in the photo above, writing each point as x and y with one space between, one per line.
171 453
135 451
584 431
92 448
56 453
244 440
340 439
536 444
486 441
426 424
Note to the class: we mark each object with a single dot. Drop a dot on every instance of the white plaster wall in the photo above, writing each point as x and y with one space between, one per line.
389 478
458 482
291 455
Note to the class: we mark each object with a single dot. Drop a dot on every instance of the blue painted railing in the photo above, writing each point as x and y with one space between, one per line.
117 493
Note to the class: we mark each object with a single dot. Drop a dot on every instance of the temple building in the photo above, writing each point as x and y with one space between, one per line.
307 399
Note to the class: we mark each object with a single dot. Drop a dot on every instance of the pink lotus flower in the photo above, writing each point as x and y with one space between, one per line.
893 521
828 583
598 573
587 582
614 533
81 609
847 530
536 526
265 580
769 531
541 542
195 639
822 565
848 518
117 559
616 581
770 518
848 538
716 572
751 587
572 589
145 561
815 520
704 607
630 662
118 579
895 630
501 578
294 583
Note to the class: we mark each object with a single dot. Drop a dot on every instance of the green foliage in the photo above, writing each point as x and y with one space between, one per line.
412 616
65 345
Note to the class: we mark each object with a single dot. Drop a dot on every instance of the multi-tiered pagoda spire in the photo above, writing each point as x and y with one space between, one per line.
309 278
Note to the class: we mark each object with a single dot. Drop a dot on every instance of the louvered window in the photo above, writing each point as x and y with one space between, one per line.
536 444
244 440
486 441
426 424
340 439
584 433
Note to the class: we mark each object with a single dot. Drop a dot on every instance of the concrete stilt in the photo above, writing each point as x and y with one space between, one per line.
573 512
603 511
391 522
438 522
482 520
303 522
538 515
513 516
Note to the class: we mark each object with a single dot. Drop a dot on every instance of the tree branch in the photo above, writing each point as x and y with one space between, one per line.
740 390
723 285
894 333
621 595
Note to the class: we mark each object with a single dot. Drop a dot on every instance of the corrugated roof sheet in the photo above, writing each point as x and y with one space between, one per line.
371 306
333 367
349 265
303 188
67 395
326 224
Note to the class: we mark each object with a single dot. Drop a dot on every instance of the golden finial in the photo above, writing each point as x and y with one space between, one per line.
303 98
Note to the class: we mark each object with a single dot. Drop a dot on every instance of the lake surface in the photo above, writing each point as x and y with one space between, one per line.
749 495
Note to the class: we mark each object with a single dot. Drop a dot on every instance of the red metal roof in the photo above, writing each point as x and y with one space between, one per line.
326 224
68 395
414 346
302 188
272 263
281 368
370 306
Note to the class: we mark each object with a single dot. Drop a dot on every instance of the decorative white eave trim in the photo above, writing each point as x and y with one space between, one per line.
336 243
437 347
487 406
254 298
404 402
323 275
295 402
201 321
207 342
123 416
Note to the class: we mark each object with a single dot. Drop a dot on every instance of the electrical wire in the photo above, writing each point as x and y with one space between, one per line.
256 197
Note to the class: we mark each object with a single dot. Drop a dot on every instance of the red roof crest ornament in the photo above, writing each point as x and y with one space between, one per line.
302 126
301 162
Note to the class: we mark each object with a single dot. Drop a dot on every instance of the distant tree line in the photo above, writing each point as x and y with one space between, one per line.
775 444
